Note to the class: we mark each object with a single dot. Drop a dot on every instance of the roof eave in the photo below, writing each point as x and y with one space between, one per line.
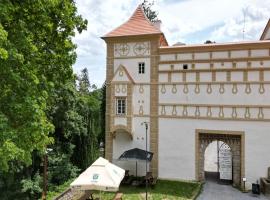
265 30
127 36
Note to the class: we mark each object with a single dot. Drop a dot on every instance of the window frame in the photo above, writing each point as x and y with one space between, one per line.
141 67
123 106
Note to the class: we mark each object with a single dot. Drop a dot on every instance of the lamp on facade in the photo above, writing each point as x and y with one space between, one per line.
101 149
146 183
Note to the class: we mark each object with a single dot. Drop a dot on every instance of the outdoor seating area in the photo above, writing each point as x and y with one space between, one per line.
265 184
139 181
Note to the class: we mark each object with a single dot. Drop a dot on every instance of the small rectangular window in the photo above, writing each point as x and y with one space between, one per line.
141 68
121 106
185 66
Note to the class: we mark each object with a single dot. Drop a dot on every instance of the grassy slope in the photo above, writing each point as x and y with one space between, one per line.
169 190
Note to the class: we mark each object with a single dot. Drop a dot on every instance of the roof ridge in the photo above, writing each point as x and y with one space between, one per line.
146 18
137 24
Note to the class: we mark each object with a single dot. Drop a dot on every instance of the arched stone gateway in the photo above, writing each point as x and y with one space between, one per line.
234 139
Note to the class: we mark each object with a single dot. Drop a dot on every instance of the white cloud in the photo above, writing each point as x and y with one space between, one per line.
180 20
246 25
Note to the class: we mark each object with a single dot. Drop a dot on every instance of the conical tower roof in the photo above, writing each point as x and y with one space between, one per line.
138 24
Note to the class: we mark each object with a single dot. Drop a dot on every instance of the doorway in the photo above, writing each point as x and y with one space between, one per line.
218 162
232 141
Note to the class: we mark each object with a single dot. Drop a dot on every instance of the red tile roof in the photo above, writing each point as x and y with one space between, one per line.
138 24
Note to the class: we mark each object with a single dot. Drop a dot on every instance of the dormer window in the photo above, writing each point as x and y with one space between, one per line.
141 67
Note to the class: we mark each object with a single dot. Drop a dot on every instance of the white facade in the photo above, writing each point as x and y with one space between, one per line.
212 87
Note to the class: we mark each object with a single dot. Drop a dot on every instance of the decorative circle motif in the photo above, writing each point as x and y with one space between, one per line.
174 112
209 89
121 73
141 90
197 89
117 89
221 112
124 89
221 89
209 111
247 113
163 111
197 112
248 88
141 110
234 113
185 112
123 49
174 89
163 89
234 88
185 90
139 49
261 88
260 114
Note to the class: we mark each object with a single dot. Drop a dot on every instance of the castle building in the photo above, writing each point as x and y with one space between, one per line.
190 95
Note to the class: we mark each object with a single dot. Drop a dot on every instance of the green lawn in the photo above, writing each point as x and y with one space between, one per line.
164 190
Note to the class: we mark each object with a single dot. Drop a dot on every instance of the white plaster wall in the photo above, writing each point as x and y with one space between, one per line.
220 54
133 69
177 146
122 142
141 99
163 77
167 57
259 52
120 121
184 56
164 67
241 98
202 55
202 65
239 54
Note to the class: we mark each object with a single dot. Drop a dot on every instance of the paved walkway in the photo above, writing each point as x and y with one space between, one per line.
214 191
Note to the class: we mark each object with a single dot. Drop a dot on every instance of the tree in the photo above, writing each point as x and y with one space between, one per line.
209 42
84 83
36 57
150 14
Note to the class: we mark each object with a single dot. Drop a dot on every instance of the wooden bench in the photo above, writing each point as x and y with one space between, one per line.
118 196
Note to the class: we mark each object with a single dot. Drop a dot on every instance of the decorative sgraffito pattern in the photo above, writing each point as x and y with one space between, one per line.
132 49
261 88
234 88
209 89
141 48
163 89
174 89
248 88
141 89
201 111
122 49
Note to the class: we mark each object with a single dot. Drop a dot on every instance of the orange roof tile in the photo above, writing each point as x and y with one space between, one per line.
138 24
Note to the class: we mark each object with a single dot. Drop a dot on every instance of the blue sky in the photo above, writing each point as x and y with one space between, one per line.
188 21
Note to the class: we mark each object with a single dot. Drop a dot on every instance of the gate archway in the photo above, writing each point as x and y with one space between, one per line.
234 139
